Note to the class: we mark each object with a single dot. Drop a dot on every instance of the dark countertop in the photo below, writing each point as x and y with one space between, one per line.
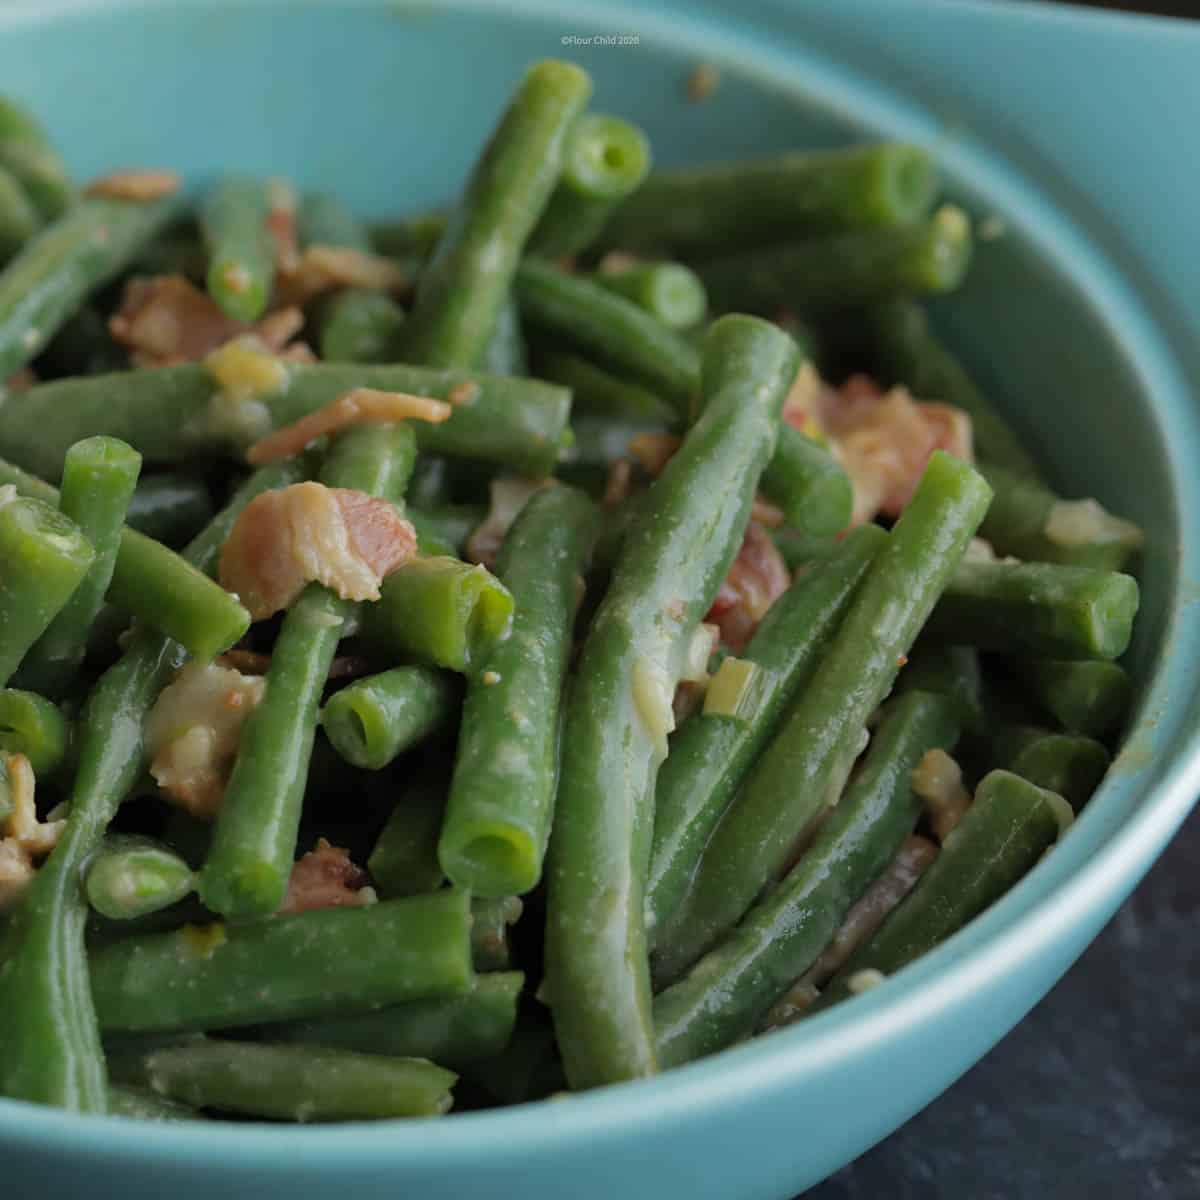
1095 1095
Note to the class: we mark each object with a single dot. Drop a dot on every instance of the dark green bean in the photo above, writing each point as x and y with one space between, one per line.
1065 763
358 325
952 671
808 484
598 393
404 861
169 508
1083 697
443 529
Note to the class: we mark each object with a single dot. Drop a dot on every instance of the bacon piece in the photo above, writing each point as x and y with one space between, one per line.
653 450
193 732
321 269
326 878
292 536
143 185
757 578
165 319
281 224
359 406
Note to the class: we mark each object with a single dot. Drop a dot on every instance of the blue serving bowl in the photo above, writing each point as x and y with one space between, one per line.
1073 131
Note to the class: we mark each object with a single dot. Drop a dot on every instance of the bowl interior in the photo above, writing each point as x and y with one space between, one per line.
387 103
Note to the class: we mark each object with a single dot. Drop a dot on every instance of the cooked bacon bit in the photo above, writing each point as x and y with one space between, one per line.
885 439
135 185
616 261
766 513
281 223
757 578
166 319
463 393
491 678
292 536
193 732
359 406
21 381
326 878
937 780
616 486
321 269
653 450
25 838
507 496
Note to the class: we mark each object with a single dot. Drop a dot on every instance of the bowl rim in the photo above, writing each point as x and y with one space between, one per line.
1042 909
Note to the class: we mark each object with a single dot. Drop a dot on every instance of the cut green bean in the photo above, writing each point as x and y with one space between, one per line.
462 289
491 919
172 414
169 508
1029 521
6 800
528 1068
55 271
904 350
44 557
376 719
668 291
325 221
130 877
332 961
844 270
803 769
951 671
619 713
241 252
454 1030
604 161
808 484
728 992
416 236
505 352
27 153
502 796
254 843
711 754
298 1083
19 217
1090 698
1004 832
35 727
442 530
1038 609
708 210
358 325
143 1105
440 611
1066 763
598 393
99 475
404 861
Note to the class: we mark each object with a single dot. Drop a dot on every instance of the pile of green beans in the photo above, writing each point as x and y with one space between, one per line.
596 769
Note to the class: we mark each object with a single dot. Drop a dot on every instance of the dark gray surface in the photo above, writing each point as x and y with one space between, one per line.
1095 1095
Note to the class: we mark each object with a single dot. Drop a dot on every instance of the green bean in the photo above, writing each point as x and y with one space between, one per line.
49 1043
324 221
431 483
254 842
805 765
951 671
442 612
619 712
491 919
712 752
169 413
35 727
99 475
241 257
379 717
160 587
904 350
298 1083
728 992
19 218
502 796
1004 832
668 291
359 325
45 556
416 236
598 393
802 549
6 800
1068 764
333 961
142 1105
712 209
611 329
528 1068
505 352
462 289
454 1030
1029 521
130 877
844 270
404 861
808 484
55 271
1083 697
604 161
26 152
169 508
1038 609
446 526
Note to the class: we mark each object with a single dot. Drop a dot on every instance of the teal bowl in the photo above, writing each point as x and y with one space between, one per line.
1072 132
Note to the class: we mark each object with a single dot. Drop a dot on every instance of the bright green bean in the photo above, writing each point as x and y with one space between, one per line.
668 291
808 484
241 253
34 726
130 877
